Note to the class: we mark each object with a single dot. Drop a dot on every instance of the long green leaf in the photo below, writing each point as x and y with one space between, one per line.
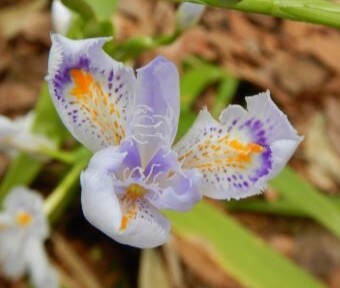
278 207
241 254
306 198
314 11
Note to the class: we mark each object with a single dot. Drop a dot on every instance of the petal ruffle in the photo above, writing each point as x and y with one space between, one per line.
177 189
91 91
238 156
179 192
154 119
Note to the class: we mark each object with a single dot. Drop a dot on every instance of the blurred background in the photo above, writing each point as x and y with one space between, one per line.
226 56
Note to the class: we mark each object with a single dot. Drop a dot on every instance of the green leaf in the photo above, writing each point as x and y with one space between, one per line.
278 207
186 119
103 9
225 93
315 11
22 170
47 121
81 7
306 198
195 80
239 253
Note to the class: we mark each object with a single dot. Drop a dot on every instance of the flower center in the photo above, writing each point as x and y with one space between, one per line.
135 191
23 218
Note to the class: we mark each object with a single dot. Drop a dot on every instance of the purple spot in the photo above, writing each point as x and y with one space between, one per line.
248 122
257 125
110 76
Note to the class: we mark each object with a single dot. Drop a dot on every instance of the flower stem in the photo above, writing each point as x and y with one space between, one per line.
314 11
62 156
57 201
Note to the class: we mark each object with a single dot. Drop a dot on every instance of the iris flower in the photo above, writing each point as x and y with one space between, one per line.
23 230
130 122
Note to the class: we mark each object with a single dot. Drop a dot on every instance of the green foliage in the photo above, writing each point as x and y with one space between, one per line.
315 11
305 197
195 79
81 7
103 9
239 252
93 17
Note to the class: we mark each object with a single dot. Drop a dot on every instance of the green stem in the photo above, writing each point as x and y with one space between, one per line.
57 201
314 11
62 156
134 47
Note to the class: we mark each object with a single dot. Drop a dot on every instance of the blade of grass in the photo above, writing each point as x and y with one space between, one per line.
239 252
278 207
226 91
195 80
306 198
314 11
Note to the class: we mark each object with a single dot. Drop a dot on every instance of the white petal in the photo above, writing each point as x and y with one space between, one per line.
238 156
99 201
41 272
91 91
61 17
188 14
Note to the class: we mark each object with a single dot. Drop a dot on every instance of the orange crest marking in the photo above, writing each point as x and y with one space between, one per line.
23 218
83 82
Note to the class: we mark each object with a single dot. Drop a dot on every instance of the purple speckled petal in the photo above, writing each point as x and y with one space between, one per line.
91 91
156 108
238 156
146 226
134 223
127 220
